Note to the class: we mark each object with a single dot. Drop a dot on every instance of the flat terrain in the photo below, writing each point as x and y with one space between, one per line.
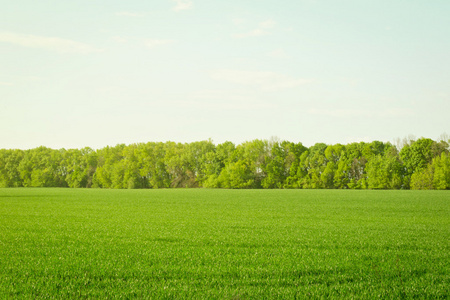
224 244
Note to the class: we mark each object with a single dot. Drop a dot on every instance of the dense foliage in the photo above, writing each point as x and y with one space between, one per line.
419 164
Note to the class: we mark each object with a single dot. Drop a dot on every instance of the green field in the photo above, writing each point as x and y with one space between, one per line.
224 244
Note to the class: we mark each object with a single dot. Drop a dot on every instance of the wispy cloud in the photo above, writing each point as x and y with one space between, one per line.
267 81
155 43
397 112
238 21
129 14
263 29
182 5
350 81
366 113
225 100
341 113
255 32
267 24
149 43
278 53
49 43
119 39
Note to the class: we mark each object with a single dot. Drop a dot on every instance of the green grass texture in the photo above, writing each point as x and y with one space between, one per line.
223 244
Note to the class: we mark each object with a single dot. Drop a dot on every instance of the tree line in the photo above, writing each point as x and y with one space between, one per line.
269 164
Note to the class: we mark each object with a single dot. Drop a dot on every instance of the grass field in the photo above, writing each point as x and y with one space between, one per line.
224 244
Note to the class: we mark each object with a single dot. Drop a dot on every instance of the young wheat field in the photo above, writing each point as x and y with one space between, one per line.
223 244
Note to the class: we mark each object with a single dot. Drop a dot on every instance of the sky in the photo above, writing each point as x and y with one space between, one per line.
95 73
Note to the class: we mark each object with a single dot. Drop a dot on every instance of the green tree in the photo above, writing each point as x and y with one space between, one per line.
236 175
333 176
79 167
153 167
217 161
247 162
132 165
42 167
9 171
441 178
180 174
385 171
314 165
110 170
297 154
423 179
275 166
198 156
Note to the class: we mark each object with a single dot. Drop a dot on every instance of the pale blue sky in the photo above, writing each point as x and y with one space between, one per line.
96 73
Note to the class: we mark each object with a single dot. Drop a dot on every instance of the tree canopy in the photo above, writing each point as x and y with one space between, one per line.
419 164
